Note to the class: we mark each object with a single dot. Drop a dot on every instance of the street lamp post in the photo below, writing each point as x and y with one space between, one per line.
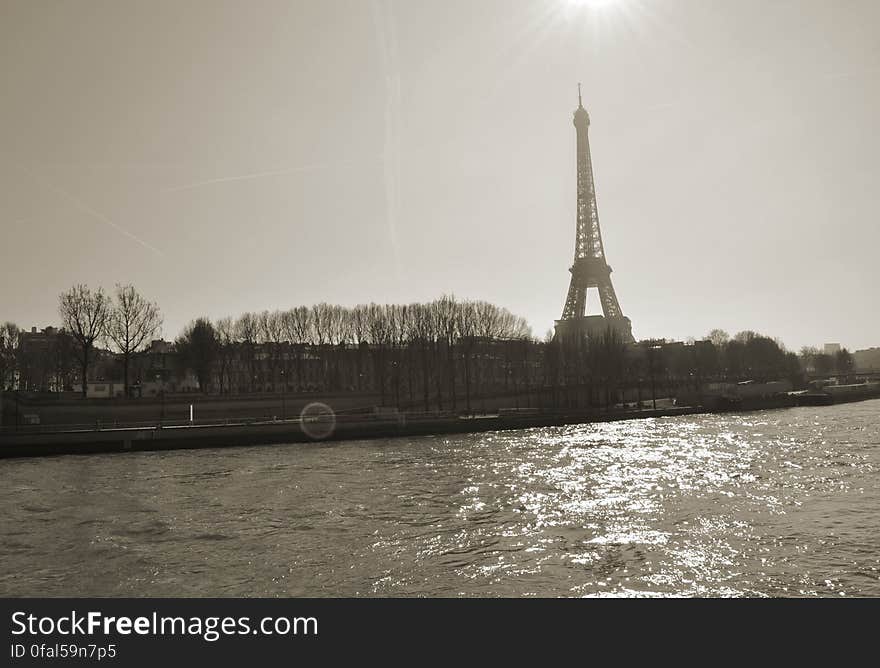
160 378
283 396
653 386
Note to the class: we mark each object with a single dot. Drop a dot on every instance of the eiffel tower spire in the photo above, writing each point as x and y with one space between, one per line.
590 269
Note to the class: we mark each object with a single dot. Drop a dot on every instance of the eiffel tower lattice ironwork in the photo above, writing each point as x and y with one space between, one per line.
590 269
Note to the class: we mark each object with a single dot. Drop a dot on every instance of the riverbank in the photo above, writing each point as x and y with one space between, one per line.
325 425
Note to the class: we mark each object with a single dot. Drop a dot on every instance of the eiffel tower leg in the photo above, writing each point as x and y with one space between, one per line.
575 302
610 305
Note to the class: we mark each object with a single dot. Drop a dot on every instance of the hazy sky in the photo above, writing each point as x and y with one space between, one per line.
231 156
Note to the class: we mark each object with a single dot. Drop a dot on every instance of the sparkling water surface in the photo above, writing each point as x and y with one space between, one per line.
769 503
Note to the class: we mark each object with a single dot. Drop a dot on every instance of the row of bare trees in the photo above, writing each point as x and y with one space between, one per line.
433 349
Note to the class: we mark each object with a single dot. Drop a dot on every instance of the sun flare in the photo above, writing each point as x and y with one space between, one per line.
592 4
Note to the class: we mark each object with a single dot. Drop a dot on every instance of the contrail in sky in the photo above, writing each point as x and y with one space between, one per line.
85 208
111 165
256 175
387 37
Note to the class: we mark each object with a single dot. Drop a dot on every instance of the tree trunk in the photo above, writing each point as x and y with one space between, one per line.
425 377
85 370
452 377
125 358
467 379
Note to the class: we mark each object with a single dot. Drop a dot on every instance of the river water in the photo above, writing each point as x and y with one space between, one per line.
771 503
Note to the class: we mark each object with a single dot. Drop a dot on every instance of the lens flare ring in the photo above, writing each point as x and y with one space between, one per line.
317 421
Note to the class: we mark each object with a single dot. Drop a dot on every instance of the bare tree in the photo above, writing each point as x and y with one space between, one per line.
247 331
409 338
132 322
272 330
339 332
447 312
718 337
468 328
380 329
422 337
298 325
298 329
398 331
745 336
360 333
321 323
84 314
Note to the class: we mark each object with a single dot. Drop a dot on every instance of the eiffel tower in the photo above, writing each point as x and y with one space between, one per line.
590 270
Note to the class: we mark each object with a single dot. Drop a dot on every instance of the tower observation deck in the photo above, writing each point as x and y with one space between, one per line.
590 269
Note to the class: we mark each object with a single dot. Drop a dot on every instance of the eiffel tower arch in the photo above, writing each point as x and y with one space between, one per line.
590 269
